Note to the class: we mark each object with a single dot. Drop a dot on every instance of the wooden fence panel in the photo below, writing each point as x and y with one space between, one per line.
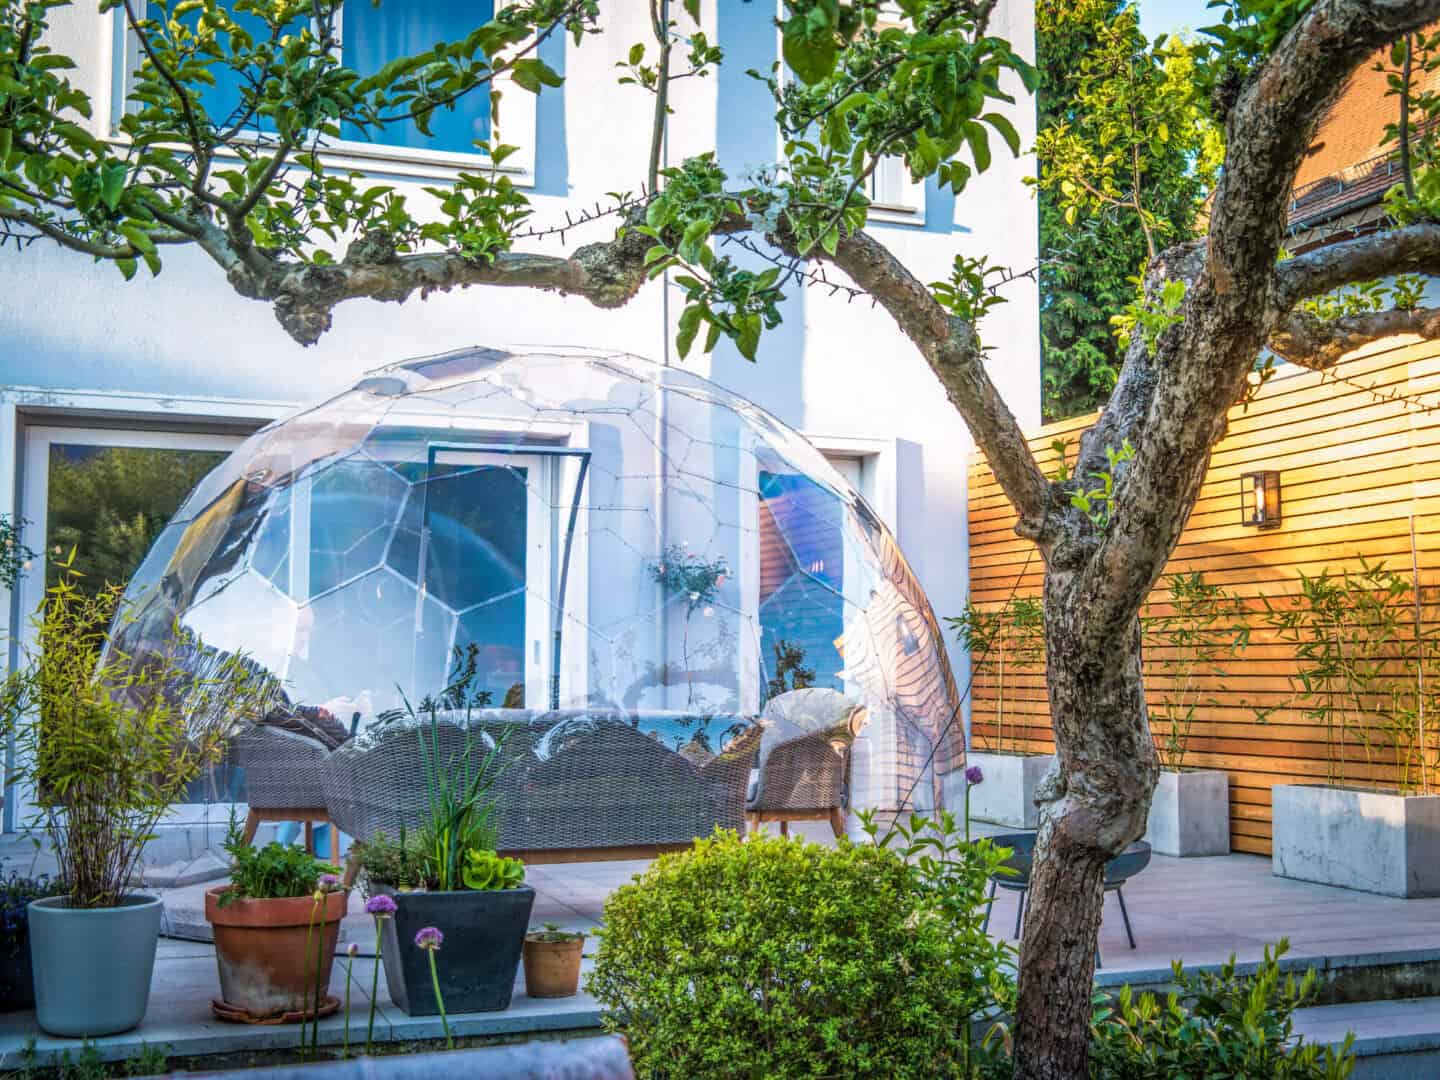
1359 454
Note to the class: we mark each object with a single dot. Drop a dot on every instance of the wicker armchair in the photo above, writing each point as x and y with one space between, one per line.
805 759
282 758
574 784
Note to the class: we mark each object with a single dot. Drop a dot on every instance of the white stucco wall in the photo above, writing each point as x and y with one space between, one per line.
836 370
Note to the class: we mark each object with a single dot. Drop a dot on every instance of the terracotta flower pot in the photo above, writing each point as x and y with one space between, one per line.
266 969
552 968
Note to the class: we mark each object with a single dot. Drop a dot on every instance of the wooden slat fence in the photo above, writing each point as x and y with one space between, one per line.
1359 455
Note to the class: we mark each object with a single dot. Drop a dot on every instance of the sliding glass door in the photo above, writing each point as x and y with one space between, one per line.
105 495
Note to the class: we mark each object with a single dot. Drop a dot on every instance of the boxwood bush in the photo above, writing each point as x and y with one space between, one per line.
777 957
1215 1024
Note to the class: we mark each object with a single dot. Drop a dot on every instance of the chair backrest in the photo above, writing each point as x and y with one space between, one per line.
282 768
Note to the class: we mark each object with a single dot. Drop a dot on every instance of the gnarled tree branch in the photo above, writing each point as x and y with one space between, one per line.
1236 301
1413 249
1310 341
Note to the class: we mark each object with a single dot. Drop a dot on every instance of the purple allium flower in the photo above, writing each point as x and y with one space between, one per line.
429 937
382 907
973 775
329 882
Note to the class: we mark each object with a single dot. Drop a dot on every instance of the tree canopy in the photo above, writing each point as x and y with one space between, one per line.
1126 153
858 82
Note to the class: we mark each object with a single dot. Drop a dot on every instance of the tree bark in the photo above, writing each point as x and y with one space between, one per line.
1092 806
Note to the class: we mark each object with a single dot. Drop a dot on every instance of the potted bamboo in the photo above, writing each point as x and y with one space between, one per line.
445 874
1367 669
107 743
275 924
1189 637
1006 644
552 961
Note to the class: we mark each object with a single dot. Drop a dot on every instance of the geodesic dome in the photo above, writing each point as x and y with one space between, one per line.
598 532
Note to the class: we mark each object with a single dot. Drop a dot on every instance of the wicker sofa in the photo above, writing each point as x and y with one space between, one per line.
575 784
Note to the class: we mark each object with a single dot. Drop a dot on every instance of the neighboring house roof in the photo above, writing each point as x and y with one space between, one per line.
1346 172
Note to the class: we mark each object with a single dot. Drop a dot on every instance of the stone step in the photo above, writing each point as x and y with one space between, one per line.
1394 1040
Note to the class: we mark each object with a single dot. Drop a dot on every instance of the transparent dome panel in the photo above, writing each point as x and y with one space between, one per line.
620 558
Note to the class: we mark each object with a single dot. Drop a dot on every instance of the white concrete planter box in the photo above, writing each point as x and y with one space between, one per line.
1190 814
1007 797
1375 841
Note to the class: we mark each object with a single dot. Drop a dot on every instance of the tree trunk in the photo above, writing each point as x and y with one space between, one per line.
1092 806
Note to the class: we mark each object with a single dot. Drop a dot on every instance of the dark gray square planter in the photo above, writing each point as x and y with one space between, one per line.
484 934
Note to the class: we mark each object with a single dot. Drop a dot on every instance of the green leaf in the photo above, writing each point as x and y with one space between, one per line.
1006 129
127 267
748 340
809 50
693 238
531 74
112 183
689 325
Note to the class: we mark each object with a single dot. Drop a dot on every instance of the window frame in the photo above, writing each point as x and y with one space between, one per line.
519 125
34 498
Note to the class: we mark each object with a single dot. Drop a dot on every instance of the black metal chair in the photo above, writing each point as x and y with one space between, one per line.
1118 871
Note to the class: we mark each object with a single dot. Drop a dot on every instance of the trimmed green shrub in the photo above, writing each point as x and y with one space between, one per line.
1215 1024
777 957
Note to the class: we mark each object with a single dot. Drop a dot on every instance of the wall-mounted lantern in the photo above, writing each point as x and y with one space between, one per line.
1260 499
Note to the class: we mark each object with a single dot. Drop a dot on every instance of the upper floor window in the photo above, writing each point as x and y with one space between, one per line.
371 36
893 195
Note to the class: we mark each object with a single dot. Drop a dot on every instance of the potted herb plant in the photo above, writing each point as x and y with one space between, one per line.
106 743
1367 672
446 874
1196 629
276 924
17 984
552 961
483 915
1006 644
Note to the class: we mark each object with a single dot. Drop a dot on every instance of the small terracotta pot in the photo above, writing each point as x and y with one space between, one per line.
261 950
552 968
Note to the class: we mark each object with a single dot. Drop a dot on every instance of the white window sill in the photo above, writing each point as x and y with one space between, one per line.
404 161
891 214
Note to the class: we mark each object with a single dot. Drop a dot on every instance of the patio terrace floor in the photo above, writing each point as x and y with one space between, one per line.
1201 910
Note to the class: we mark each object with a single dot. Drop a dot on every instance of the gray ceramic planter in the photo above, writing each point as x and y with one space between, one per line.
92 966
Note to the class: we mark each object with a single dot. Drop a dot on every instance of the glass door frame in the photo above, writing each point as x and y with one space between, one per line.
36 441
560 586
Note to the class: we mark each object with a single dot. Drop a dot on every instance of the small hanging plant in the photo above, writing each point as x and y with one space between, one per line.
15 557
680 572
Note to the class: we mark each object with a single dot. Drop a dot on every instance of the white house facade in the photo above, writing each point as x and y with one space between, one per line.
181 367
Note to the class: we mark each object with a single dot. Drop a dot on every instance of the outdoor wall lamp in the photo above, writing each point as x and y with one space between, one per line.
1260 499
